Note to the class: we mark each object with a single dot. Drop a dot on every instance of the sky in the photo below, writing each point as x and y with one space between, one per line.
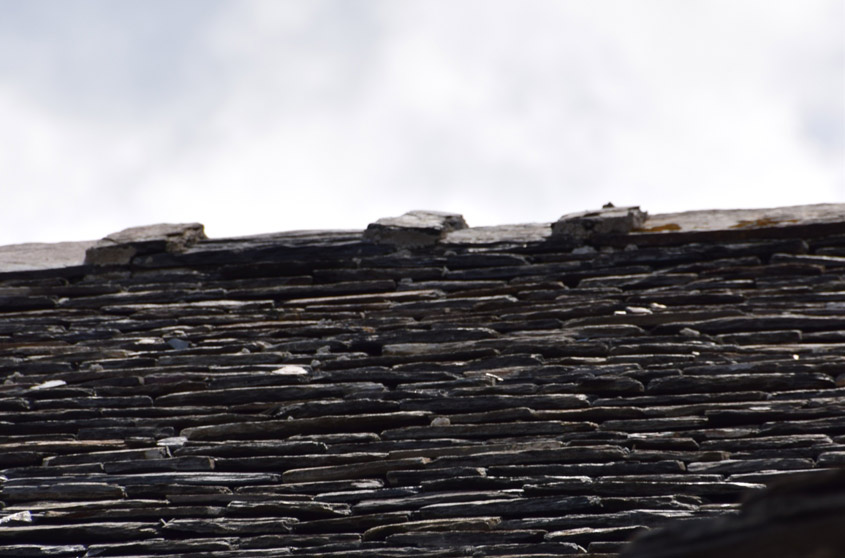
260 116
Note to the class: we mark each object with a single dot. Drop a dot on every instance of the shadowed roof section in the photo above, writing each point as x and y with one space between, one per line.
424 387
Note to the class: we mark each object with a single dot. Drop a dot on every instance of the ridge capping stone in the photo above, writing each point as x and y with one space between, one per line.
585 226
414 229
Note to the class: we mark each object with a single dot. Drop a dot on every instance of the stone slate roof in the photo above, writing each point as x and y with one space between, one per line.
417 389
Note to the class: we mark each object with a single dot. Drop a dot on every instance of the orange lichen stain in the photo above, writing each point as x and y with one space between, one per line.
762 222
661 228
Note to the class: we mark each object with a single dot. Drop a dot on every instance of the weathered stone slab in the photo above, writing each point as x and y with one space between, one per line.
108 456
832 425
282 463
287 508
279 544
767 442
591 469
450 539
20 459
41 551
353 496
762 337
668 424
771 322
416 501
40 255
352 470
739 382
432 525
647 517
502 415
62 490
152 512
733 466
121 247
362 405
482 403
84 533
628 503
162 479
356 523
252 448
229 526
359 300
413 229
589 225
634 487
416 476
441 449
286 428
734 225
587 535
321 488
831 459
159 546
190 463
594 454
513 507
486 431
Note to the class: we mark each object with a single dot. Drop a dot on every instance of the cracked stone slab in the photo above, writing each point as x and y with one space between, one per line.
415 228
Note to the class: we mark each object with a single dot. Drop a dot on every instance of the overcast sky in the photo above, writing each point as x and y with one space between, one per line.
270 115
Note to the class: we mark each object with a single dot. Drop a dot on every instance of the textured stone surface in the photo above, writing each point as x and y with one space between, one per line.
121 247
589 225
494 392
415 228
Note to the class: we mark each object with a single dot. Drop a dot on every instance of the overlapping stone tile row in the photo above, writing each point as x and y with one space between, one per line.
319 396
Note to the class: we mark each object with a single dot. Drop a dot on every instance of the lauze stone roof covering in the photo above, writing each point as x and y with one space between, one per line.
423 388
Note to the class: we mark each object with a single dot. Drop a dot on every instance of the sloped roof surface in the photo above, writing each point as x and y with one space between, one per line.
448 391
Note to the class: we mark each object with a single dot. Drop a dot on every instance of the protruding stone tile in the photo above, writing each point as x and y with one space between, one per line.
587 225
414 229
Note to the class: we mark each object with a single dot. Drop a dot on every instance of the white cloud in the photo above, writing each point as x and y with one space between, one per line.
258 116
